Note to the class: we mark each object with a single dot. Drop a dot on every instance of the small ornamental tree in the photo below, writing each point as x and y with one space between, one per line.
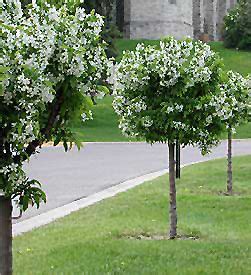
166 93
51 61
233 108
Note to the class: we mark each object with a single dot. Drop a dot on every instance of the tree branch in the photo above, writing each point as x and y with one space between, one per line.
52 119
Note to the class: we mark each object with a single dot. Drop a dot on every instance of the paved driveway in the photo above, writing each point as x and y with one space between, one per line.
67 177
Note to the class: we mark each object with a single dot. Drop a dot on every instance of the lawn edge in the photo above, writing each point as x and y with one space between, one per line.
50 144
65 210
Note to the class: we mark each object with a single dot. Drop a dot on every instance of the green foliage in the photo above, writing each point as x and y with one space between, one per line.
235 96
54 59
102 7
104 126
111 32
235 60
29 192
237 29
170 91
3 76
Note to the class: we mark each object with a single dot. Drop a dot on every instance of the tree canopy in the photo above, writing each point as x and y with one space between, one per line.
170 92
52 60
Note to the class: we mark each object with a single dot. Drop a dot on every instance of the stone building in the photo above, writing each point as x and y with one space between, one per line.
153 19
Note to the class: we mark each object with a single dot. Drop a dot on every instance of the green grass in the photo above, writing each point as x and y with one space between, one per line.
239 61
93 240
104 127
243 131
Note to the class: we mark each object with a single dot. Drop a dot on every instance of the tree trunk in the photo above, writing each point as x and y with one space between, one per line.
177 161
230 164
5 236
172 209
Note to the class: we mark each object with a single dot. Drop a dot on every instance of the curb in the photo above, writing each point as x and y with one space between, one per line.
62 211
50 144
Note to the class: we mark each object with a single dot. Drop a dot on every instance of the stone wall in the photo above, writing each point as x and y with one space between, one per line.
153 19
221 12
198 13
208 17
159 18
119 14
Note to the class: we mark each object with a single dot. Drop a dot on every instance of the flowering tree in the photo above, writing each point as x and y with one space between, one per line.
102 7
169 92
233 108
51 61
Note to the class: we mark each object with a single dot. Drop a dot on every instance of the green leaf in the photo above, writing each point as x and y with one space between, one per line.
25 202
103 89
1 90
3 77
4 69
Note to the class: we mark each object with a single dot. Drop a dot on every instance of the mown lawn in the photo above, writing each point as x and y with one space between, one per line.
95 240
239 61
104 127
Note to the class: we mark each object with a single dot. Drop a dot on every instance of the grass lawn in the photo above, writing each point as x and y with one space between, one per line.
94 240
239 61
104 127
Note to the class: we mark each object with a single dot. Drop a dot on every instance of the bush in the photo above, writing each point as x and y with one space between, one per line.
237 28
110 32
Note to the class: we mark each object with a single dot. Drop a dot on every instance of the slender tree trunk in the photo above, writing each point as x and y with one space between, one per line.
177 161
5 236
172 209
230 164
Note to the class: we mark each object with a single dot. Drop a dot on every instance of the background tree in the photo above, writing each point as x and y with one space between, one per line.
235 97
169 92
106 8
52 59
237 26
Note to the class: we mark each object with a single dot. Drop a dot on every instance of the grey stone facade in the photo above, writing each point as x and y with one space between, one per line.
153 19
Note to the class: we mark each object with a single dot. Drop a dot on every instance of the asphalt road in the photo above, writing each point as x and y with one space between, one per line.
67 177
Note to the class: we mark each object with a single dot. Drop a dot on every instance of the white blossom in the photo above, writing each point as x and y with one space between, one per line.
42 50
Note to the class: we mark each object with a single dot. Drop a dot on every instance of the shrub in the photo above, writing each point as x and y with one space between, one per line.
237 27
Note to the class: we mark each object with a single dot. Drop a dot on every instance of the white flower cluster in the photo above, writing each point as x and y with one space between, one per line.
16 176
175 90
232 103
41 50
199 70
